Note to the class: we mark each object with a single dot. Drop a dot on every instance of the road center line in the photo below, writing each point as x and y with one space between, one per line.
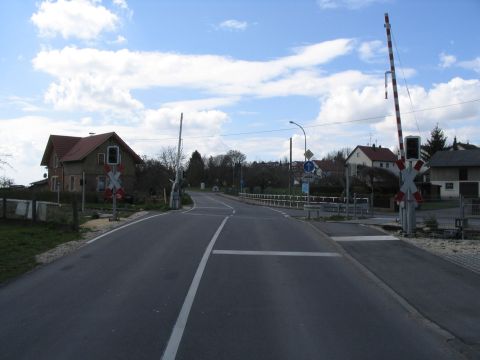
174 342
275 253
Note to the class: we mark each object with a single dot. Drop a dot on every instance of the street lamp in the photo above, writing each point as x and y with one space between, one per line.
305 135
305 154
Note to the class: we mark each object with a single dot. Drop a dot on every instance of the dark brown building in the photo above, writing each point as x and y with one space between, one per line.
68 157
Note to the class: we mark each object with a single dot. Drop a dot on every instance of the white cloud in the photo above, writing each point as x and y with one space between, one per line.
349 4
24 104
233 24
201 104
81 19
373 51
121 3
471 64
119 40
99 80
446 60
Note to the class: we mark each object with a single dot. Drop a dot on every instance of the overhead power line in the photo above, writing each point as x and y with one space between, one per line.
310 126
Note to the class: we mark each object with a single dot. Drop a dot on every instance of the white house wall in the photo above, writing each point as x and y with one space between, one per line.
359 158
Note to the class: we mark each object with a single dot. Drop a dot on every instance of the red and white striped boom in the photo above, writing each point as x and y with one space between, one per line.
394 84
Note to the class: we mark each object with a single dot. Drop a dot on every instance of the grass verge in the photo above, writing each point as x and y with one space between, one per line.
21 241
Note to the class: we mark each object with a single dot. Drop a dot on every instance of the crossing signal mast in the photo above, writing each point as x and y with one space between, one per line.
407 175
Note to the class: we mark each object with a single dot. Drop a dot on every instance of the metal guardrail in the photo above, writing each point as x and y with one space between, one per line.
360 206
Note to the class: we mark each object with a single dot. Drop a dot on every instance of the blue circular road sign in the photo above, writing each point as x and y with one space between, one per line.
308 166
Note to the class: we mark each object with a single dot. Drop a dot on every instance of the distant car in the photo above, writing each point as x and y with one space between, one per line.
215 189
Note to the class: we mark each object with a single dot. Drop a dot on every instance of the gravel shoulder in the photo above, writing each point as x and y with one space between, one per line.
90 229
446 246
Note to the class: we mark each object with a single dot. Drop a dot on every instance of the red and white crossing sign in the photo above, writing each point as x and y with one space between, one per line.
115 184
408 175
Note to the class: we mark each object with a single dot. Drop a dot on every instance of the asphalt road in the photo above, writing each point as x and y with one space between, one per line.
224 280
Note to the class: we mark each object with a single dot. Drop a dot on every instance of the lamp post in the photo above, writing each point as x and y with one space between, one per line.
305 154
305 136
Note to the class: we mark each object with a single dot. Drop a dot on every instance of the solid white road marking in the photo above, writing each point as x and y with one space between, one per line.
177 333
275 253
193 207
203 214
211 207
281 212
221 202
122 227
364 238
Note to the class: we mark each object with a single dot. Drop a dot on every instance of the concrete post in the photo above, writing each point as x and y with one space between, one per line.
75 213
355 205
4 208
34 208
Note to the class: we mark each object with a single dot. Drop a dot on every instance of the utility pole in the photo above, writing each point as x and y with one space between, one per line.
83 192
347 188
175 193
290 171
404 211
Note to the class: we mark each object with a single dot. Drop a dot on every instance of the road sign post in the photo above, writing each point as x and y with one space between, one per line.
115 186
308 167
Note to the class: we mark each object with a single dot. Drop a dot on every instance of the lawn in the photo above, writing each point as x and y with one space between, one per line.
438 205
21 241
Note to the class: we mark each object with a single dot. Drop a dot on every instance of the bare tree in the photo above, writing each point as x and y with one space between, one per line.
5 182
236 157
3 162
168 157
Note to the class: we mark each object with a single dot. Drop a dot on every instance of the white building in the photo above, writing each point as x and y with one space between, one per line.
371 156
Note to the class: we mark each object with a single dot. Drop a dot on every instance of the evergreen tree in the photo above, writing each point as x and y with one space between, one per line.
196 169
437 142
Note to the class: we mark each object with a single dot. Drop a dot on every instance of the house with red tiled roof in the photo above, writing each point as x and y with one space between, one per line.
68 158
371 156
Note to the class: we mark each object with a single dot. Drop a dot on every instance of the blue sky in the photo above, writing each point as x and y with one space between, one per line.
238 70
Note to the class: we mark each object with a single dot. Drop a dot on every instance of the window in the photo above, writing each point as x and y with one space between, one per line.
101 158
387 165
381 165
358 154
56 162
53 183
101 183
72 183
463 174
448 186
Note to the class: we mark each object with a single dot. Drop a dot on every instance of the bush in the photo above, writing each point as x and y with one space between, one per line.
431 222
186 199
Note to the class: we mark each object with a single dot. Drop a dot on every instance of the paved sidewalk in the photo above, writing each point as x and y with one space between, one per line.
443 292
468 261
